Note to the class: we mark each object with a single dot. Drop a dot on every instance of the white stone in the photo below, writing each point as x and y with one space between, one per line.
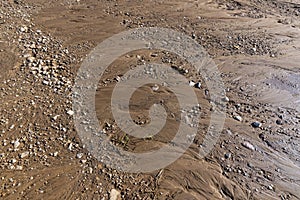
226 99
30 59
79 155
192 83
45 82
16 144
24 29
155 88
248 146
238 118
70 112
114 195
55 117
24 154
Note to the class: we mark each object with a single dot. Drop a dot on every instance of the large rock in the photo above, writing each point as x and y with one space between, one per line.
115 195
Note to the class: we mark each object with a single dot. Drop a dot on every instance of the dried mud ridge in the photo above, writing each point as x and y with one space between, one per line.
255 44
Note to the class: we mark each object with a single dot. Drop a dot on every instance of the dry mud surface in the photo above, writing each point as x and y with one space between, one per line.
256 46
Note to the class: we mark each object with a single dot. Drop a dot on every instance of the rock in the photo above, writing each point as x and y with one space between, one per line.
228 131
16 144
70 112
30 59
256 124
155 88
279 122
45 82
55 117
198 85
228 155
248 145
192 83
19 167
24 154
154 55
271 187
114 195
79 155
225 99
238 118
24 29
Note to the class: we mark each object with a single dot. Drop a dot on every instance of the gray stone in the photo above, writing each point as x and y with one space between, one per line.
256 124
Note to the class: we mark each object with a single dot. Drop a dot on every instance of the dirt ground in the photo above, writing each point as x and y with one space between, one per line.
256 46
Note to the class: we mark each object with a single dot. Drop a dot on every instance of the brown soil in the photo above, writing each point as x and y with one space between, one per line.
256 45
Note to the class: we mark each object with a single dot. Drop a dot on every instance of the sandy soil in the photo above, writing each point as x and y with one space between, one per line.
256 45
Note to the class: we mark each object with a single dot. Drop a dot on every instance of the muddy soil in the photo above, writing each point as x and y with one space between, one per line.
256 46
